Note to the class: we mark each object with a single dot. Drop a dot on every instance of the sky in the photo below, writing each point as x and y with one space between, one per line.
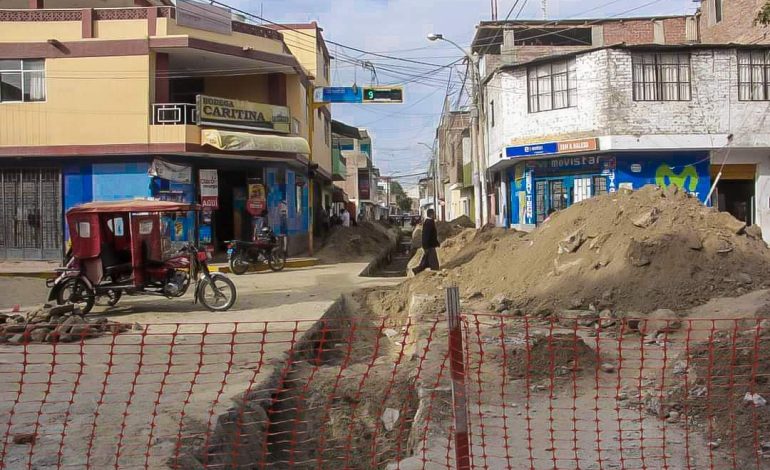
399 28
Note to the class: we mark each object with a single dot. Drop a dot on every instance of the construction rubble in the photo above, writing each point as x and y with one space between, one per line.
54 324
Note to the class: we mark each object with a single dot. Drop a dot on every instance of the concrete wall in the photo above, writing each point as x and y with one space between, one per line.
106 100
89 101
737 23
605 105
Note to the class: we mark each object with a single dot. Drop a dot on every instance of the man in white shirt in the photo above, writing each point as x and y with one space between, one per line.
345 218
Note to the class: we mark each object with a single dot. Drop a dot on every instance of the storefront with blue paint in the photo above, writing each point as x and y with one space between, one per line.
545 178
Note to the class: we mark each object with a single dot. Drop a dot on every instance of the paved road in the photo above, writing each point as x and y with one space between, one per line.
135 394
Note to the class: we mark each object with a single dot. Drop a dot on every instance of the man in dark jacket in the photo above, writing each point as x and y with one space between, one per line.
429 245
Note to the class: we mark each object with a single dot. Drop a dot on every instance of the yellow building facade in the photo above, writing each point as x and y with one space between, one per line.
103 104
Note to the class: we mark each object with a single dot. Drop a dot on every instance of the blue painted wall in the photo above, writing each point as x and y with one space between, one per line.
690 171
281 185
115 181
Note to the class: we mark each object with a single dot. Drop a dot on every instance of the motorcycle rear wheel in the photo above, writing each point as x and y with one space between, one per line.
237 264
277 259
219 296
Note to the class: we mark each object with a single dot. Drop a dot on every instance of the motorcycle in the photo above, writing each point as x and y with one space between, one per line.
268 248
110 259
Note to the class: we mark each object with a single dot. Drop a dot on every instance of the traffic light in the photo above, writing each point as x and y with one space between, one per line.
383 95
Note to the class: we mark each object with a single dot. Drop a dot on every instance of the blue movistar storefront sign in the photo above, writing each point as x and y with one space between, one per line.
529 150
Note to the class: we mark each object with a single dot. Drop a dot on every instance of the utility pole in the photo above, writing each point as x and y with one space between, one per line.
435 167
477 116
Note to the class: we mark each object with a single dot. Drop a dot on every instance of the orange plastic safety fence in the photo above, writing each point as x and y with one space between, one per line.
296 394
604 393
588 392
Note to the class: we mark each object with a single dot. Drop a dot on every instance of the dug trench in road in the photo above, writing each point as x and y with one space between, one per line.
296 295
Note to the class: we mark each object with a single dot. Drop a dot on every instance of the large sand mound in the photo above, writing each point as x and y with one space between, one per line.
360 243
631 251
637 251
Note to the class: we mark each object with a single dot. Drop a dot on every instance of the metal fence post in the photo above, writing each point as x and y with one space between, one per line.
457 366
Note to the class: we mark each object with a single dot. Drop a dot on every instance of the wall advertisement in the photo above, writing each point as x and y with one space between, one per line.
209 187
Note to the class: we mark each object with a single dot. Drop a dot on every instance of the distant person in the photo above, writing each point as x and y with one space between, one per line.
429 245
345 216
549 214
259 222
283 212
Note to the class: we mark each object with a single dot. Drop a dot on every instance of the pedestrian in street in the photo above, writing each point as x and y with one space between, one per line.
429 245
345 218
283 212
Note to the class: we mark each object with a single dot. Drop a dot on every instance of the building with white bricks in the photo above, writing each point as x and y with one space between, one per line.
563 128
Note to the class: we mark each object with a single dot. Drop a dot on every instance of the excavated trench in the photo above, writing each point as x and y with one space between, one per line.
322 407
394 262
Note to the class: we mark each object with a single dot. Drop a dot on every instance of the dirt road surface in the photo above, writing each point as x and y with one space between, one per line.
128 399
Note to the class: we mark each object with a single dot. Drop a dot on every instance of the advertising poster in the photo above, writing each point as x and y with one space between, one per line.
257 201
209 183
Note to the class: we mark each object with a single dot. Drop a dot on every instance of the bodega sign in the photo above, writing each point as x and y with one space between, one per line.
238 114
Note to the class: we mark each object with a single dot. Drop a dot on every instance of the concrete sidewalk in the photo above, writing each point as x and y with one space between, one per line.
46 269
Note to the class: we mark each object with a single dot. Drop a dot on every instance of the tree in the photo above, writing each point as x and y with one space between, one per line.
763 17
403 201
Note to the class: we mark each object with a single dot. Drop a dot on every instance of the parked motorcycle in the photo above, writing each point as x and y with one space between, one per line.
268 248
109 259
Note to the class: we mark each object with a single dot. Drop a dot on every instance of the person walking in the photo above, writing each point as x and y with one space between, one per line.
429 245
345 216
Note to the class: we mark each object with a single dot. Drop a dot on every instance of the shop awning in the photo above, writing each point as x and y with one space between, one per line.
245 142
338 195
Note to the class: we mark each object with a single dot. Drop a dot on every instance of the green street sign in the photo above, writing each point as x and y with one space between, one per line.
383 95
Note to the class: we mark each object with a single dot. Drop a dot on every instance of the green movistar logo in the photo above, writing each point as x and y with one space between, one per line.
665 177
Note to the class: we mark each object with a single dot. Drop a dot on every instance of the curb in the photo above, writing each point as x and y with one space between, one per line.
32 274
292 264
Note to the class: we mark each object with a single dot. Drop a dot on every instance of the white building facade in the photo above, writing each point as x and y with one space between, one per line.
563 128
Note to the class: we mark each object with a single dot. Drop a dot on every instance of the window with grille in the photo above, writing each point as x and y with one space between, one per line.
754 75
552 86
22 80
661 77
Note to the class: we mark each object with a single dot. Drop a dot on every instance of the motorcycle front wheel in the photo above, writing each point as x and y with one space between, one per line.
238 265
217 294
277 259
76 292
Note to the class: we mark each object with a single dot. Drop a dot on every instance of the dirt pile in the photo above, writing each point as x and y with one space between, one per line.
54 324
359 243
635 251
556 355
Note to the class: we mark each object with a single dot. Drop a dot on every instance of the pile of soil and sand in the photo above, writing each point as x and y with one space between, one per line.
54 324
633 251
359 243
557 354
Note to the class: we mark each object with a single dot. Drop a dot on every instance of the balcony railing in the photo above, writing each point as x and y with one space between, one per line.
174 114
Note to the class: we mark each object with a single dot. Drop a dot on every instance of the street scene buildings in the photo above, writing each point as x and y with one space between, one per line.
477 234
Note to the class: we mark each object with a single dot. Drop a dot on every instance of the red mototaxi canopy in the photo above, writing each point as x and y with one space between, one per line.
132 205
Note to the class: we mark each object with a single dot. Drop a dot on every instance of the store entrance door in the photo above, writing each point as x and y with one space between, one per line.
737 198
555 194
